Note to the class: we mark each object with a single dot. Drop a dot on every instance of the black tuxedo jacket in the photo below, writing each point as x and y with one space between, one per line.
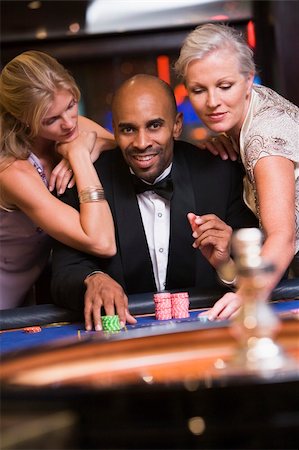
203 184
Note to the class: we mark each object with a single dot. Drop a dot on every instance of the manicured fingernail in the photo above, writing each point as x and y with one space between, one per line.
51 188
88 328
195 235
122 325
98 328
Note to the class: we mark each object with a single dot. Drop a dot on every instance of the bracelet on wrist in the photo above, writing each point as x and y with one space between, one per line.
91 194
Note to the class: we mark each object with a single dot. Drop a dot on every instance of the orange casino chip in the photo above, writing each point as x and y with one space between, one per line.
32 330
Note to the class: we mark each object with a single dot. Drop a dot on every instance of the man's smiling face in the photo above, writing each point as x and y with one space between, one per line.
145 125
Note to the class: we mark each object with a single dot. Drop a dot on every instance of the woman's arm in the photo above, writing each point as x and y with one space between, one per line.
90 230
61 178
275 183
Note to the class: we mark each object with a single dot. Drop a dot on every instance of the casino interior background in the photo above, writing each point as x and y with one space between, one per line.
102 43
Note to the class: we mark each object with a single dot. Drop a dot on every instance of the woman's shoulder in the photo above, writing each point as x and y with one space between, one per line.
15 167
19 180
18 177
10 171
274 119
273 128
269 104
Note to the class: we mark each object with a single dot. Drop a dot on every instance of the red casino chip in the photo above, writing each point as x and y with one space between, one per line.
171 306
162 306
32 330
180 305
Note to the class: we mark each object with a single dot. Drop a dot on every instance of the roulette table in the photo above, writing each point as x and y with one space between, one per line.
157 384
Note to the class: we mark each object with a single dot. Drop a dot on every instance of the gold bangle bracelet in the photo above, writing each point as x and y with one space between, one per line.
91 194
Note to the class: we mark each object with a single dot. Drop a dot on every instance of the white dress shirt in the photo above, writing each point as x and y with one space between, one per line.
155 213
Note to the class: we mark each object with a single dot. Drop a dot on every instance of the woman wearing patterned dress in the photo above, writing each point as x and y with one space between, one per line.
39 116
218 71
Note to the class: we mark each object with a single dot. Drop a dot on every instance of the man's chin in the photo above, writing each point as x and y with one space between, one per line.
145 175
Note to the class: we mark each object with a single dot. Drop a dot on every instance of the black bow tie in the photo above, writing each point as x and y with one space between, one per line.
164 188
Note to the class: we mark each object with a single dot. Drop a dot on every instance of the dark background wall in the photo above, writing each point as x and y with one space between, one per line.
277 51
100 62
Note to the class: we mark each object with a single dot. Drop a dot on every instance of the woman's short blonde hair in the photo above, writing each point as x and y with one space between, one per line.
27 87
210 37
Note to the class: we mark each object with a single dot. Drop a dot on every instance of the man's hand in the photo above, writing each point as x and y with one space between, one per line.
220 145
213 237
103 291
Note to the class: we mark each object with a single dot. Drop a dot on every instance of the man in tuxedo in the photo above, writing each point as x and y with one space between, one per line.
173 229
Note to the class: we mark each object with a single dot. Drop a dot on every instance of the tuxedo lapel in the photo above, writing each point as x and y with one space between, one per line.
182 256
132 244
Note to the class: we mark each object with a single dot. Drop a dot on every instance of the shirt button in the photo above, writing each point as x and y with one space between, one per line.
161 250
160 214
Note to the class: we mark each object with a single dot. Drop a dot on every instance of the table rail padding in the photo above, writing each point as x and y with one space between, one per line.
139 304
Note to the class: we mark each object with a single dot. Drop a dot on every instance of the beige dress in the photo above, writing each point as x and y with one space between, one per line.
271 128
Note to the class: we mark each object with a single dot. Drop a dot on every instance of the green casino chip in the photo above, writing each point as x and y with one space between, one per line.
110 323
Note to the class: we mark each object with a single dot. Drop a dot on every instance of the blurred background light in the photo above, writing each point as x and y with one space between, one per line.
120 15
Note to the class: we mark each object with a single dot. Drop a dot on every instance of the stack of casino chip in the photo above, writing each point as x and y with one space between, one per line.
180 305
110 323
171 306
163 305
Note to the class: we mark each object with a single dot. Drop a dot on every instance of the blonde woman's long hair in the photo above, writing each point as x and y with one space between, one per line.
27 87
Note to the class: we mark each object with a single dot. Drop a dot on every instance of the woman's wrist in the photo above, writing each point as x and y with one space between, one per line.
91 194
80 157
85 173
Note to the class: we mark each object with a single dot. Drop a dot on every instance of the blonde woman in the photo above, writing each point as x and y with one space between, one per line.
39 117
218 71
